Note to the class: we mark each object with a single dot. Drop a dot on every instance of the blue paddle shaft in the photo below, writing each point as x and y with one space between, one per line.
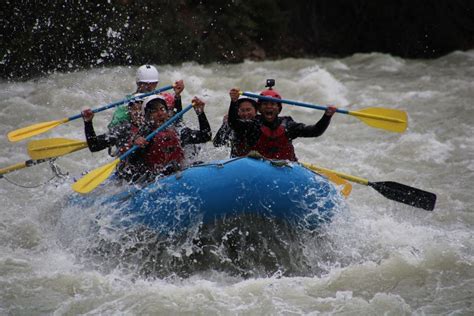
124 101
159 129
306 105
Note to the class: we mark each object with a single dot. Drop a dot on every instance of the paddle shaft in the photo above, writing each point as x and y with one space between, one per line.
39 128
323 108
114 104
341 174
347 187
20 165
159 129
306 105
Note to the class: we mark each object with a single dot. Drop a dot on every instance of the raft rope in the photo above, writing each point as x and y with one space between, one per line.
58 173
253 155
218 164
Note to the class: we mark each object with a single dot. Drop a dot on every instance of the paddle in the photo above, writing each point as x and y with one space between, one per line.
54 147
346 186
94 178
392 190
21 165
388 119
36 129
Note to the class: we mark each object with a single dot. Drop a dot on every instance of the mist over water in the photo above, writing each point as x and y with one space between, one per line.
376 256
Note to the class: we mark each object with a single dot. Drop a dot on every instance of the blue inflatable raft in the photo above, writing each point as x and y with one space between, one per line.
224 189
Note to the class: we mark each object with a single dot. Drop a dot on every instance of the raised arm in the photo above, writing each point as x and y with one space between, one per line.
204 134
301 130
94 142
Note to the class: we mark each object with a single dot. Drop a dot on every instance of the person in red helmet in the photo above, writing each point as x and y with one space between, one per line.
170 101
270 134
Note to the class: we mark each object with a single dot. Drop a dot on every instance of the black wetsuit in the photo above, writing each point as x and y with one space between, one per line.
118 136
224 136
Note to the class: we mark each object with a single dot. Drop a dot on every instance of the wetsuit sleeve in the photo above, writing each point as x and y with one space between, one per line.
223 135
178 104
233 117
204 134
295 130
178 107
94 142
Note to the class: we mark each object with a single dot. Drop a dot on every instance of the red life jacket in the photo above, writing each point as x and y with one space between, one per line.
134 130
129 144
164 149
274 144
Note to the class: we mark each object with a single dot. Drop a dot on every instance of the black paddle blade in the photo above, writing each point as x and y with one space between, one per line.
405 194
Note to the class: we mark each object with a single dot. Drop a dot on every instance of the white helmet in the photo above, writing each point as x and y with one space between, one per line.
147 73
160 98
243 98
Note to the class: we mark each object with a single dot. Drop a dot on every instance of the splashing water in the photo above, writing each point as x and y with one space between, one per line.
376 256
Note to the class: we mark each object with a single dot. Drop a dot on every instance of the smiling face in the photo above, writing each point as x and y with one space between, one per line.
143 87
269 110
246 111
157 114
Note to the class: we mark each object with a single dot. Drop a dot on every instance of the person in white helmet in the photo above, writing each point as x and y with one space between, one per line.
225 136
147 80
166 153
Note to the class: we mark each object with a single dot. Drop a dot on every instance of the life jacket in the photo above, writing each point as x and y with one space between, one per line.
164 150
274 144
240 147
126 144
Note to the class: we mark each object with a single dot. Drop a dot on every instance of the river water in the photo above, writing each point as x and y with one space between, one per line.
378 256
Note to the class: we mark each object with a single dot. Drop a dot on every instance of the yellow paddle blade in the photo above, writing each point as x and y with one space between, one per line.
388 119
11 168
346 186
33 130
54 147
339 174
94 178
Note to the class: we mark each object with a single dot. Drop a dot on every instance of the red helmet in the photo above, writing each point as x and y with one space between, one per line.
169 98
272 94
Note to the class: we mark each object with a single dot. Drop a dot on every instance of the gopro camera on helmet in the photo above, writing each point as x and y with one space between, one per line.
270 83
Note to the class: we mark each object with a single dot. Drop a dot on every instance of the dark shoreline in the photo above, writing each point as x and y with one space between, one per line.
39 38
